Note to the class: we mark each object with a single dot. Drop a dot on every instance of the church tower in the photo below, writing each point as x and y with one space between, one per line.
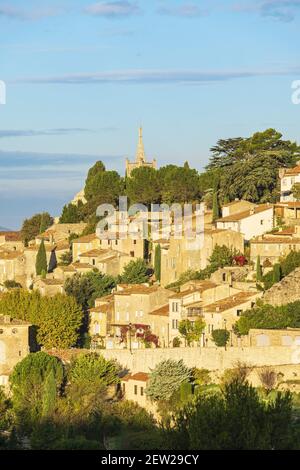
140 160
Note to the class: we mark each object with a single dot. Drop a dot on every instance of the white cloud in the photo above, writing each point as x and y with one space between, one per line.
114 9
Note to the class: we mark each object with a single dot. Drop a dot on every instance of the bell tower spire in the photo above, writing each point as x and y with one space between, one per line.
140 154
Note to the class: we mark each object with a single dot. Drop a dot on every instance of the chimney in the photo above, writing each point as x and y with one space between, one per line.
217 309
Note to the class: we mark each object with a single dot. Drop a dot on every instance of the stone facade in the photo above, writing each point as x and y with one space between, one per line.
179 256
251 222
14 345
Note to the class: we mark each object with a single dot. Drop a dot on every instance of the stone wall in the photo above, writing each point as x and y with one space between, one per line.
143 360
285 291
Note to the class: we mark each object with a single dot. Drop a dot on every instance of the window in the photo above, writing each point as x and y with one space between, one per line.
124 388
134 242
175 307
94 262
261 222
14 331
132 254
135 389
224 277
142 391
239 312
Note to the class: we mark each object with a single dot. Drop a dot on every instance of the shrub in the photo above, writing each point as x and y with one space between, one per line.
220 337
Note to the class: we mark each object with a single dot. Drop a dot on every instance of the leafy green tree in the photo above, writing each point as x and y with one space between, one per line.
41 259
143 186
135 272
29 381
166 378
235 419
58 319
104 187
71 214
250 165
60 322
191 331
259 273
221 256
179 184
66 258
92 368
296 191
157 262
220 337
268 317
32 227
87 287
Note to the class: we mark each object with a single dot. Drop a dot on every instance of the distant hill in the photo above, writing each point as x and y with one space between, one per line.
3 229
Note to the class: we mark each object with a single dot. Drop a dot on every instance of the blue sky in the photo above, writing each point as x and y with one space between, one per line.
82 76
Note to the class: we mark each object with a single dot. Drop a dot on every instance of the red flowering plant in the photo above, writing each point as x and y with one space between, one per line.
240 260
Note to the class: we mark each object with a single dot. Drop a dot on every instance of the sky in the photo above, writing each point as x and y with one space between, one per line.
81 76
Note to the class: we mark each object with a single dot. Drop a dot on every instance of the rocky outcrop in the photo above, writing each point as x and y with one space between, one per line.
285 291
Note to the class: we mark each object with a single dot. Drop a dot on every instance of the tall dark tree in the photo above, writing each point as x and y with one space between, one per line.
157 262
41 260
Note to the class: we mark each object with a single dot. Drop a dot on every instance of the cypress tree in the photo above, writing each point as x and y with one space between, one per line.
277 273
216 208
157 262
52 262
258 269
41 260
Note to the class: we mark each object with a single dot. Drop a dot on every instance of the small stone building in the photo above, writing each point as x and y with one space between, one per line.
14 345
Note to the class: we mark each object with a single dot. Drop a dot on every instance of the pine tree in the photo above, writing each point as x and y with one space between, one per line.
41 259
258 269
157 262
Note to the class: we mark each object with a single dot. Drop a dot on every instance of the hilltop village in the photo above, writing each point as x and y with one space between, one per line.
232 298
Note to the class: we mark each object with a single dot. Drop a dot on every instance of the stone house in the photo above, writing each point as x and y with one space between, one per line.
60 232
12 267
179 256
11 241
288 177
251 222
106 261
234 207
100 319
133 388
272 247
189 304
132 309
14 345
49 287
224 313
